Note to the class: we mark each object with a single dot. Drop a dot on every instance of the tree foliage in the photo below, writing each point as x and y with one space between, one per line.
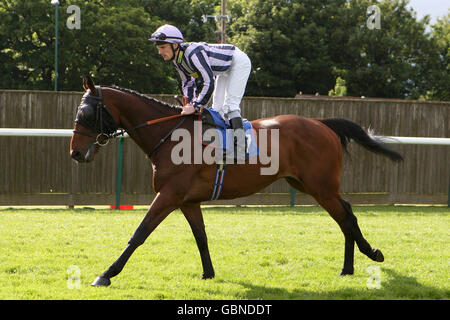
294 45
111 44
340 90
439 73
305 45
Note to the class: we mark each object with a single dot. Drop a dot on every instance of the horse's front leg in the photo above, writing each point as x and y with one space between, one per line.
193 214
161 207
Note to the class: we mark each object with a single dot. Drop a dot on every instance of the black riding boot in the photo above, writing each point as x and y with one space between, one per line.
239 139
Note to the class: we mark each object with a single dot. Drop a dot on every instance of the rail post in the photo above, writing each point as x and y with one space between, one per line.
119 172
292 197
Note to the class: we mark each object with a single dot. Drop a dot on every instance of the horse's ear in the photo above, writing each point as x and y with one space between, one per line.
88 84
85 87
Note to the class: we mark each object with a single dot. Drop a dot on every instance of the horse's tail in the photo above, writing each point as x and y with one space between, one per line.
347 130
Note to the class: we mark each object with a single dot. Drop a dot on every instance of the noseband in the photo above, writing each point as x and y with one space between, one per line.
103 125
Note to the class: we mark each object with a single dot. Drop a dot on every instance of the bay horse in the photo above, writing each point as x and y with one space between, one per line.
310 159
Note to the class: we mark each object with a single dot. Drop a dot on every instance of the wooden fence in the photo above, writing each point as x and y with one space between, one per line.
39 171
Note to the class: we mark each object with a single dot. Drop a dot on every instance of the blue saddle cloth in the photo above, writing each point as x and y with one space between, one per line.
224 128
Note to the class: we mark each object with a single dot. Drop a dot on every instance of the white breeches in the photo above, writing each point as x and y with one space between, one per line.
230 86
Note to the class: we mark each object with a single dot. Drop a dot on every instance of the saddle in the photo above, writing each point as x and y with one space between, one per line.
210 119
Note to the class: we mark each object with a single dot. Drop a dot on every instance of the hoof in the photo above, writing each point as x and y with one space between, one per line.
207 276
101 282
378 256
346 272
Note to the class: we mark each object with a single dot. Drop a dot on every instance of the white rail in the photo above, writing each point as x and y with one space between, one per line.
14 132
414 140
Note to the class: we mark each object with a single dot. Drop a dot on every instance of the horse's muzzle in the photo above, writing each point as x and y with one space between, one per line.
77 156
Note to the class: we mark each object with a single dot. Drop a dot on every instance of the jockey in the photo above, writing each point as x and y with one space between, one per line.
222 70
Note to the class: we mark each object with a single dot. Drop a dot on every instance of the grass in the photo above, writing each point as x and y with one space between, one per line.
257 253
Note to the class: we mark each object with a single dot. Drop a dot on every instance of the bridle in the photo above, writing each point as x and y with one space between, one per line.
104 124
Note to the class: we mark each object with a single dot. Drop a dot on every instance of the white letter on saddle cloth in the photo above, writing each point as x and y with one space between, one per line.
184 147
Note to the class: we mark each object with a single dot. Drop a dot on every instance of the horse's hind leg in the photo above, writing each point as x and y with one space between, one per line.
342 213
332 204
345 221
363 245
193 214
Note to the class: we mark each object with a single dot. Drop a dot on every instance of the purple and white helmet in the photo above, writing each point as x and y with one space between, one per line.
167 34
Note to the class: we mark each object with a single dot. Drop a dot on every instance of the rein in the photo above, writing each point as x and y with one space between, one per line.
155 121
162 140
150 122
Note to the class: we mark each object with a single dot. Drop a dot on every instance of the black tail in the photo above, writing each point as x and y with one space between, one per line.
347 130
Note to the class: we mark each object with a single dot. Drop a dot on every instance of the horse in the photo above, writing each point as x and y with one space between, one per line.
310 160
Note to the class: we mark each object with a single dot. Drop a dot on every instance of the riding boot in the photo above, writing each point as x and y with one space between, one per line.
239 139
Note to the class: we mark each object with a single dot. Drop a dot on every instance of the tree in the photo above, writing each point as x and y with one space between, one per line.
112 43
340 89
439 81
184 14
294 45
187 16
287 43
393 61
305 45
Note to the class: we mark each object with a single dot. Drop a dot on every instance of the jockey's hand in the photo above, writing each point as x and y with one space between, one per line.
188 109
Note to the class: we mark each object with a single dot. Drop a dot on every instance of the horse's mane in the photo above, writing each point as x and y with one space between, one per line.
145 98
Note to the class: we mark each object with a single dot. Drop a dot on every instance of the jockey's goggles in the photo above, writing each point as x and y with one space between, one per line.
160 36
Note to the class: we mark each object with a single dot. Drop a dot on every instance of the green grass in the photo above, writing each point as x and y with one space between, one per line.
257 253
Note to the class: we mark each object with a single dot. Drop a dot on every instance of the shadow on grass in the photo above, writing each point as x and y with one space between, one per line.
396 286
365 210
266 210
